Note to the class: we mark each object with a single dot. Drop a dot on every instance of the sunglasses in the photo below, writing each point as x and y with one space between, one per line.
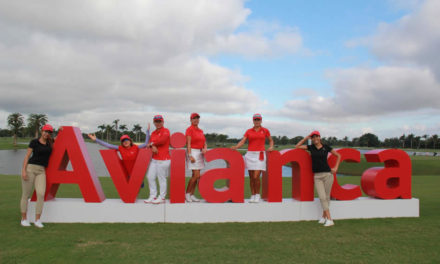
257 119
48 131
197 117
157 121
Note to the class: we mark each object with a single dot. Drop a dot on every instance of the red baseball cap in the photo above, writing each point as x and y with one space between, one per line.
158 117
194 115
316 132
257 116
124 137
47 127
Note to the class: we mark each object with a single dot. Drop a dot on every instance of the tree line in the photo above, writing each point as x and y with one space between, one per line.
18 127
112 132
366 140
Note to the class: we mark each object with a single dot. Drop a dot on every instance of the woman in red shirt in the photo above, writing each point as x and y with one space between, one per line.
196 148
127 149
160 164
255 158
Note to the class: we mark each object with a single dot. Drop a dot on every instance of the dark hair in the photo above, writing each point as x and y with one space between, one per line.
50 140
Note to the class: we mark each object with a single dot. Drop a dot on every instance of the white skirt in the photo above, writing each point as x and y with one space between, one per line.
253 162
200 160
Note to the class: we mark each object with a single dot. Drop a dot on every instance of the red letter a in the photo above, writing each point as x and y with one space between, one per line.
128 190
234 173
70 145
391 182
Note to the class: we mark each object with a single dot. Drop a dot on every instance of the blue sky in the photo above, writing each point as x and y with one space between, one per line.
326 27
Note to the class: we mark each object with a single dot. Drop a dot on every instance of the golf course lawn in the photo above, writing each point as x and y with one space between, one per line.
391 240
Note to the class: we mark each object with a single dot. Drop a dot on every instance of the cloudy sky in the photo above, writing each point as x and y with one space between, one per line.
342 67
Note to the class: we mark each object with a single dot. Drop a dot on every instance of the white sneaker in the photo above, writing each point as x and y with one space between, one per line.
329 222
257 198
150 199
322 220
158 200
188 198
194 199
38 224
252 200
25 222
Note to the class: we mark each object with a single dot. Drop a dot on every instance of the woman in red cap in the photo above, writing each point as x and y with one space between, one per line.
323 174
160 164
255 157
127 149
33 174
196 148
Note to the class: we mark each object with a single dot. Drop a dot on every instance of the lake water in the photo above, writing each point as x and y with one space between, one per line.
11 162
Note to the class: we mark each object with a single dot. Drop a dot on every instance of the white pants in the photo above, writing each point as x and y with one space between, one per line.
158 169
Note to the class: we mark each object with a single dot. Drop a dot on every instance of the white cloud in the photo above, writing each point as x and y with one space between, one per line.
408 81
67 58
263 40
414 39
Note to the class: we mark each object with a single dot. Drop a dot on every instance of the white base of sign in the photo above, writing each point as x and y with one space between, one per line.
73 210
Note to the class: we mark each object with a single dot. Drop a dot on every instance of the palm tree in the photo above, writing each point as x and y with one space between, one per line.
115 122
136 129
418 141
345 139
36 121
402 138
15 123
123 128
425 139
434 139
108 129
102 128
410 137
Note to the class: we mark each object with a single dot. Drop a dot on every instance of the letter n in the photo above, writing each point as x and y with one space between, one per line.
234 173
302 175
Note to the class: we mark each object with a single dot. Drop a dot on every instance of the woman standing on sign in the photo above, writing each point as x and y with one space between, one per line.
127 149
322 173
160 164
255 158
196 149
33 174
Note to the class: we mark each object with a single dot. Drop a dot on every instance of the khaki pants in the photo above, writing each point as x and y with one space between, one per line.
323 184
36 176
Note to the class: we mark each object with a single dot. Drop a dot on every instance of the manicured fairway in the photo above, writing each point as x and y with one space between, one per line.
7 143
399 240
421 165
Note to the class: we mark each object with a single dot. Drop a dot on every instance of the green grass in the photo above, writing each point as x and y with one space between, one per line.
392 240
7 143
421 165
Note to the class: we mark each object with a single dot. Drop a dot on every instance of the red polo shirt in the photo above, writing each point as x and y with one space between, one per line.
197 137
161 139
129 156
256 139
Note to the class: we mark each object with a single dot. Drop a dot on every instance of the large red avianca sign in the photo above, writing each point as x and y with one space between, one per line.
389 182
